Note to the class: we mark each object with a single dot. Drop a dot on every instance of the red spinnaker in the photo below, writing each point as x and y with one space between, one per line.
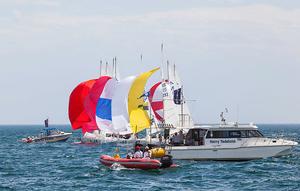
91 101
77 114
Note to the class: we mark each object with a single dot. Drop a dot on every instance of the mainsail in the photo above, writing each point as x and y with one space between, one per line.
167 101
139 118
77 114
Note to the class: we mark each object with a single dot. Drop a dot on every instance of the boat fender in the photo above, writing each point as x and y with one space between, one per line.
158 152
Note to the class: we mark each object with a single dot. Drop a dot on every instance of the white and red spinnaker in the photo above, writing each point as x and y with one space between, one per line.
156 101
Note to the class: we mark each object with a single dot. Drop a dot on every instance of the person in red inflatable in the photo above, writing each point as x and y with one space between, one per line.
147 153
138 153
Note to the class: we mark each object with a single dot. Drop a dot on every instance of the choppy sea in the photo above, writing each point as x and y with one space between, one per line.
69 166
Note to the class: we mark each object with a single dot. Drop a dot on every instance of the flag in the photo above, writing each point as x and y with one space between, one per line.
177 96
145 95
46 122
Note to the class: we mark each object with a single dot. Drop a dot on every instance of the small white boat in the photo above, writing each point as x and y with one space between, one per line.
48 135
228 142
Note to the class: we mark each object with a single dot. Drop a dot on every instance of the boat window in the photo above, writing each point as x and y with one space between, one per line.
202 132
209 134
234 134
225 134
244 134
217 134
195 137
255 133
220 134
261 135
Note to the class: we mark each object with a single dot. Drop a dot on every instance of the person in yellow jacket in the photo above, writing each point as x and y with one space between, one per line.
117 155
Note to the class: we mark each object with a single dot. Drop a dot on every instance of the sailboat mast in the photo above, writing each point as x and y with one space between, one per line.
162 79
113 69
150 114
168 73
116 68
174 72
100 67
181 102
106 68
162 61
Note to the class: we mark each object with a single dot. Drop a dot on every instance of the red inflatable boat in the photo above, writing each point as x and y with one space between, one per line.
143 163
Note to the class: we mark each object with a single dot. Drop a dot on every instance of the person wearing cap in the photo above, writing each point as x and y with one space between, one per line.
138 153
147 153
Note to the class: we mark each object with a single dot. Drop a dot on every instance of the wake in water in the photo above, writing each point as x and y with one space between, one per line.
117 167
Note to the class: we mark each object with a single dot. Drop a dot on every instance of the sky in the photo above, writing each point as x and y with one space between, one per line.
240 55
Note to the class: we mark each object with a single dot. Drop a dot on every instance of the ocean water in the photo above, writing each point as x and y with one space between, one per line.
69 166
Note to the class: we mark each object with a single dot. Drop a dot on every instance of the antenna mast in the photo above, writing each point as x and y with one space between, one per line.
162 61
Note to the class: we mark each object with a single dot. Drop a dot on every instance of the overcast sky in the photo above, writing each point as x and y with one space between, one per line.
236 54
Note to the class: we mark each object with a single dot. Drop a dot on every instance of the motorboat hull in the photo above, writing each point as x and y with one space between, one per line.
144 164
48 139
52 139
234 154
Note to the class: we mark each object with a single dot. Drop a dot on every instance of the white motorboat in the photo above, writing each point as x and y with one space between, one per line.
48 135
225 141
228 142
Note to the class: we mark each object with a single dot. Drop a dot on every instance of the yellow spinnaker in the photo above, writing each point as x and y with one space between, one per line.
138 117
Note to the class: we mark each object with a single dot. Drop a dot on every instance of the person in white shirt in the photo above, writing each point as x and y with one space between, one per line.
138 153
147 153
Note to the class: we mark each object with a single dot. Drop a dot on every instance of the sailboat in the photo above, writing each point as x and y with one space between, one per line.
169 108
114 108
83 101
120 112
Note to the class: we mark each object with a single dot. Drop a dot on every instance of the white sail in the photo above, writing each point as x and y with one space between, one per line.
103 110
156 101
112 113
176 111
120 117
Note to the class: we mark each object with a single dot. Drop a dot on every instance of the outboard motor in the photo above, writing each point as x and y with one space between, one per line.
166 161
166 133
